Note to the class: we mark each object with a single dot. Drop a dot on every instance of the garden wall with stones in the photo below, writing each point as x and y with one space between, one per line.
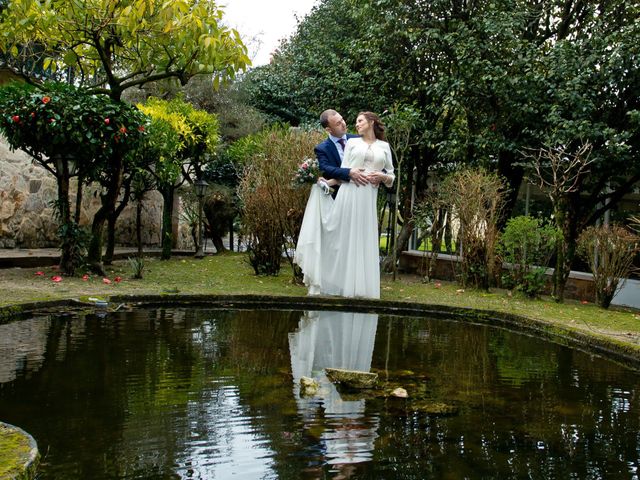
27 219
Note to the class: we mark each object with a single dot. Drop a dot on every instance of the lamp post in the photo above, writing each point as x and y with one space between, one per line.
201 187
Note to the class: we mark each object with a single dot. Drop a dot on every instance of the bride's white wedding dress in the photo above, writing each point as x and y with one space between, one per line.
338 247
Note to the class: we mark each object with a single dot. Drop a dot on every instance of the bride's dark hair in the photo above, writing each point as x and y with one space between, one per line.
378 126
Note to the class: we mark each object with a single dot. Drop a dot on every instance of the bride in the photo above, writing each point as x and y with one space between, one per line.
338 247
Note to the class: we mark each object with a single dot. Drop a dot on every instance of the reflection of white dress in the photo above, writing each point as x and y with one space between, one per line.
335 340
338 249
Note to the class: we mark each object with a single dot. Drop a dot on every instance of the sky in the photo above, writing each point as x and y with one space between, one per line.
267 20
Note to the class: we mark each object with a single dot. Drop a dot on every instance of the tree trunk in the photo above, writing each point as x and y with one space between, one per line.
167 220
107 258
111 223
400 246
139 227
109 200
94 256
514 174
566 249
217 242
79 199
67 264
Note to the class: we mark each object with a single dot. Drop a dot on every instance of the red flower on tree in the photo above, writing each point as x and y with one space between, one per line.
123 129
107 121
46 100
16 119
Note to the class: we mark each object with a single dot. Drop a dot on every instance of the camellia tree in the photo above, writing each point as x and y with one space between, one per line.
183 140
69 133
107 47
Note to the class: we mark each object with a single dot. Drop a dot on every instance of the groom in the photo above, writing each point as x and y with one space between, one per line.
330 152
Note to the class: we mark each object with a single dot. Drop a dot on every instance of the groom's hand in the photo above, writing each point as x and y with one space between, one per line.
358 176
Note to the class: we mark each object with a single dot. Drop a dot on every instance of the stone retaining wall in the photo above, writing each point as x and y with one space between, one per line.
27 219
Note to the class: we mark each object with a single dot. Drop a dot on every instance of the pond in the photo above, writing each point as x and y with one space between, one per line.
213 394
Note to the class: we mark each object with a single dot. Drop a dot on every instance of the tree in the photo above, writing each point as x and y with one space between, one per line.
69 133
476 198
272 205
107 47
609 250
490 79
561 172
184 142
404 131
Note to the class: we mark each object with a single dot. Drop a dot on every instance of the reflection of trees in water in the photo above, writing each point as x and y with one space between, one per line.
526 405
22 347
165 391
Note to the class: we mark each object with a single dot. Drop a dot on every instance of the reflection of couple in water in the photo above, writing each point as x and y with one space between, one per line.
338 252
335 340
338 246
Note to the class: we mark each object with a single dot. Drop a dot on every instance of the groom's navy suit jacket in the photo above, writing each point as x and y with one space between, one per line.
329 159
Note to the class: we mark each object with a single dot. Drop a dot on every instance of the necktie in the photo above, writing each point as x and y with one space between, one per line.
342 143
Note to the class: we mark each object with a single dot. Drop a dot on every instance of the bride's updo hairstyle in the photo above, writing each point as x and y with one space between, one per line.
378 126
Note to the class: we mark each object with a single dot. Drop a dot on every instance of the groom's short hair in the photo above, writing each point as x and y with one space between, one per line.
324 117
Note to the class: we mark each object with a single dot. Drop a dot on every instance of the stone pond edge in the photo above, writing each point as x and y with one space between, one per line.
27 462
622 352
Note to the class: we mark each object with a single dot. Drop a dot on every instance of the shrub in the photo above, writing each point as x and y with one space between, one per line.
272 205
476 198
609 251
527 244
137 266
220 208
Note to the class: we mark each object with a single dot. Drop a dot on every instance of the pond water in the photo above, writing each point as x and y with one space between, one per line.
213 394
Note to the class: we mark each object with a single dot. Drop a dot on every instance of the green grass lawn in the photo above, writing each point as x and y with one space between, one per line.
230 274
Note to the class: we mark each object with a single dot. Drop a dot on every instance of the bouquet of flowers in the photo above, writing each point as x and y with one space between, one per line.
307 172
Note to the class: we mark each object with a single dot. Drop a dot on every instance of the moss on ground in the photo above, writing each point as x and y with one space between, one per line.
17 460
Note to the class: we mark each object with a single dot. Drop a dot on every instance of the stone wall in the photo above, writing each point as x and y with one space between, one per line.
27 219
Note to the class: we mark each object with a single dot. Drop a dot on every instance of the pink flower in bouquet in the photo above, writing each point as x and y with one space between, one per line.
308 172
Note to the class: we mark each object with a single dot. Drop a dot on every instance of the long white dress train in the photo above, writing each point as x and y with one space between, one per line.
338 248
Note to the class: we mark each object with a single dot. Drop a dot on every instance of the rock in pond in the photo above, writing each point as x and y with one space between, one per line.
308 387
400 393
352 378
437 409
